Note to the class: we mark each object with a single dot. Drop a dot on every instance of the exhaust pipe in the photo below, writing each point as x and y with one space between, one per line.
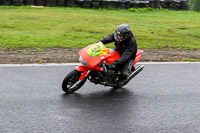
137 70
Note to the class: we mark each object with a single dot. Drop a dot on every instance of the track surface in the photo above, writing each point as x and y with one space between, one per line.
163 98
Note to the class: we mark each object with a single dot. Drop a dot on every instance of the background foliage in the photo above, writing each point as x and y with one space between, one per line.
194 5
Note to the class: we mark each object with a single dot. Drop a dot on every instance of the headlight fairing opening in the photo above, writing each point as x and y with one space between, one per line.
84 63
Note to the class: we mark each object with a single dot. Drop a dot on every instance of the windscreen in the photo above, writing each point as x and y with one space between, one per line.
97 49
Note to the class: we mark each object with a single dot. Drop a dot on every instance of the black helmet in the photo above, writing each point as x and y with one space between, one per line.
122 32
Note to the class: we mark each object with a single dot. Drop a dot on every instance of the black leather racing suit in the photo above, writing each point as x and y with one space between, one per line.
127 50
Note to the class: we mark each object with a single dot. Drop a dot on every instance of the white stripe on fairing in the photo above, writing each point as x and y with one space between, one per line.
74 64
100 46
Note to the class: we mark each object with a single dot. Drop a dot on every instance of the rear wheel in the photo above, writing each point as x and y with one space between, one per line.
71 83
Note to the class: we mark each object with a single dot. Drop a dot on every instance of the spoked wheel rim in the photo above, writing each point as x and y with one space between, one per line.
71 83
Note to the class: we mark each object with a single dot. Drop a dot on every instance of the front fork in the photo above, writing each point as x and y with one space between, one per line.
84 70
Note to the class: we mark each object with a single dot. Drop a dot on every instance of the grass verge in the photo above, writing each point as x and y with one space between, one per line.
50 27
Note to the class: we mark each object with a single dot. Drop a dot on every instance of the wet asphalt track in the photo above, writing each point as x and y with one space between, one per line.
163 98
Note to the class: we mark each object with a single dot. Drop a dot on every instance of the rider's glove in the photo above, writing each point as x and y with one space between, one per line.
110 66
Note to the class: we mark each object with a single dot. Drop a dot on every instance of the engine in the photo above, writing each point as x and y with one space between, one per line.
109 77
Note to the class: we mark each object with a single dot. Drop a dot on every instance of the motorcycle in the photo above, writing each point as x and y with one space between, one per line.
93 59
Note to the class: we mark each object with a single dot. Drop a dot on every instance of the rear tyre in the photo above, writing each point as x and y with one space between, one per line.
71 83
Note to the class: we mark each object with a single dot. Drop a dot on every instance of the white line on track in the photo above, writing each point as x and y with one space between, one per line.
38 65
74 64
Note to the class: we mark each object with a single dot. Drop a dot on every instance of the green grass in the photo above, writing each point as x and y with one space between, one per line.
191 60
39 28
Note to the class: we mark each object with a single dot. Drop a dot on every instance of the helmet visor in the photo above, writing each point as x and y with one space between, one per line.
120 37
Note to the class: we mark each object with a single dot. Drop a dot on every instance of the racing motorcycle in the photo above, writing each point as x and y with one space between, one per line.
93 59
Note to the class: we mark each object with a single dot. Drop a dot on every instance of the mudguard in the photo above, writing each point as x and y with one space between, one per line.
81 69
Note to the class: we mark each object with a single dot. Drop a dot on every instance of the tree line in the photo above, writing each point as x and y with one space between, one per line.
194 5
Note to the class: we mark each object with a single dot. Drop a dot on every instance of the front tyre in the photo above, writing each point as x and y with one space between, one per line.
71 83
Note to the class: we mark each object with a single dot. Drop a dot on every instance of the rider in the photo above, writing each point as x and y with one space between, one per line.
125 45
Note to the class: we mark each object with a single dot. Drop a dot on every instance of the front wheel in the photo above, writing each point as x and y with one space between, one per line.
71 83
